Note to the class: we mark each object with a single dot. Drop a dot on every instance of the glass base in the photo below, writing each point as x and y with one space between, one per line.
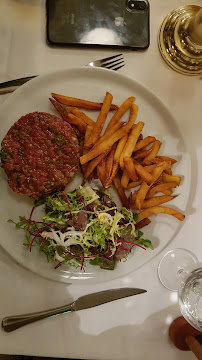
175 45
175 265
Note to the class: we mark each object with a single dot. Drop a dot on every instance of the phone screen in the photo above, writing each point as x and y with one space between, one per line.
117 23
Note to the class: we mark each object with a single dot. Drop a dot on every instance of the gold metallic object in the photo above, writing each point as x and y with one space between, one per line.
180 40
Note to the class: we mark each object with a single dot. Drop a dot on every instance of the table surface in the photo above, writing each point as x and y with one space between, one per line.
130 328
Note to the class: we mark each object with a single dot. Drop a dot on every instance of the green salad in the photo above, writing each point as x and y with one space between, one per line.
80 226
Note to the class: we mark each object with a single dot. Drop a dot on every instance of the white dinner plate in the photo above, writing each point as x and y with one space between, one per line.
92 84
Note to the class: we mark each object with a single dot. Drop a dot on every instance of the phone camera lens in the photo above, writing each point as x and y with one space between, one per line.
134 5
142 5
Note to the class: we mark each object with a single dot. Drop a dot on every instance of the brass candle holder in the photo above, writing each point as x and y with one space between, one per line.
180 39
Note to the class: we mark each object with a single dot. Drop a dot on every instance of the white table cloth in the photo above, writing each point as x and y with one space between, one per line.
135 328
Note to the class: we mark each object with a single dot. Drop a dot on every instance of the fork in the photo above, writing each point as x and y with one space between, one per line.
116 63
113 63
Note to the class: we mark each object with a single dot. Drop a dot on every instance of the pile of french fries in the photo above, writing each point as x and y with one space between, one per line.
121 156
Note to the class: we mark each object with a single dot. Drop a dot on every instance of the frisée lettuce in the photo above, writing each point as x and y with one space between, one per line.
83 225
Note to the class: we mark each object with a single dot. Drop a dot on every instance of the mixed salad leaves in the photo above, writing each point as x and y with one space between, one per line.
83 225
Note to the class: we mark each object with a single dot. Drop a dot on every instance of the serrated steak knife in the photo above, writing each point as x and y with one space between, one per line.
84 302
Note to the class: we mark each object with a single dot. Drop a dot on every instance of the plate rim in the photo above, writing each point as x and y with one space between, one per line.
85 68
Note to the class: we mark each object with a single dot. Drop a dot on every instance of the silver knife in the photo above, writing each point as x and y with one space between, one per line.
84 302
12 85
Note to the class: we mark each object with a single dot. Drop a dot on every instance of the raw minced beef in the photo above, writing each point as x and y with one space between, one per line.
40 154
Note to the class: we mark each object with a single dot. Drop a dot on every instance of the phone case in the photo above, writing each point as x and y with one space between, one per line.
120 23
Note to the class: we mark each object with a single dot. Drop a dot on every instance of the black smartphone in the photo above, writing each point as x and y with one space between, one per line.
118 23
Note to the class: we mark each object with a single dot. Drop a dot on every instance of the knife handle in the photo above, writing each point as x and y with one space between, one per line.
12 323
12 85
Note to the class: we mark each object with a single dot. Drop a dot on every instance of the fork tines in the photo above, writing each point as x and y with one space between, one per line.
116 63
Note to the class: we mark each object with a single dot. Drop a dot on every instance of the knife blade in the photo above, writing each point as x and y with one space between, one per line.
103 297
12 85
12 323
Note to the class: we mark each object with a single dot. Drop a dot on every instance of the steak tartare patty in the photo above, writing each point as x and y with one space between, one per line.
40 154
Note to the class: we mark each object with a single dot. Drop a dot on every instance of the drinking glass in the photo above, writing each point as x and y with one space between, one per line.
180 270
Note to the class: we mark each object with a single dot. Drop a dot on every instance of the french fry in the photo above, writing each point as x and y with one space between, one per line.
124 179
157 200
159 210
77 112
161 188
101 169
111 140
87 134
130 168
144 142
79 123
120 146
132 139
156 173
155 148
95 162
150 168
97 129
144 187
168 171
157 181
89 128
120 190
141 154
92 176
70 118
142 223
144 174
141 194
166 158
80 103
81 143
156 160
169 178
110 132
109 165
120 112
167 192
140 137
128 149
117 155
133 198
133 184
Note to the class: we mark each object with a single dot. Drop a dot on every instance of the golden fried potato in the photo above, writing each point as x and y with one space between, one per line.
99 124
109 142
159 210
70 118
169 178
120 190
120 112
132 140
80 114
161 188
155 149
80 103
